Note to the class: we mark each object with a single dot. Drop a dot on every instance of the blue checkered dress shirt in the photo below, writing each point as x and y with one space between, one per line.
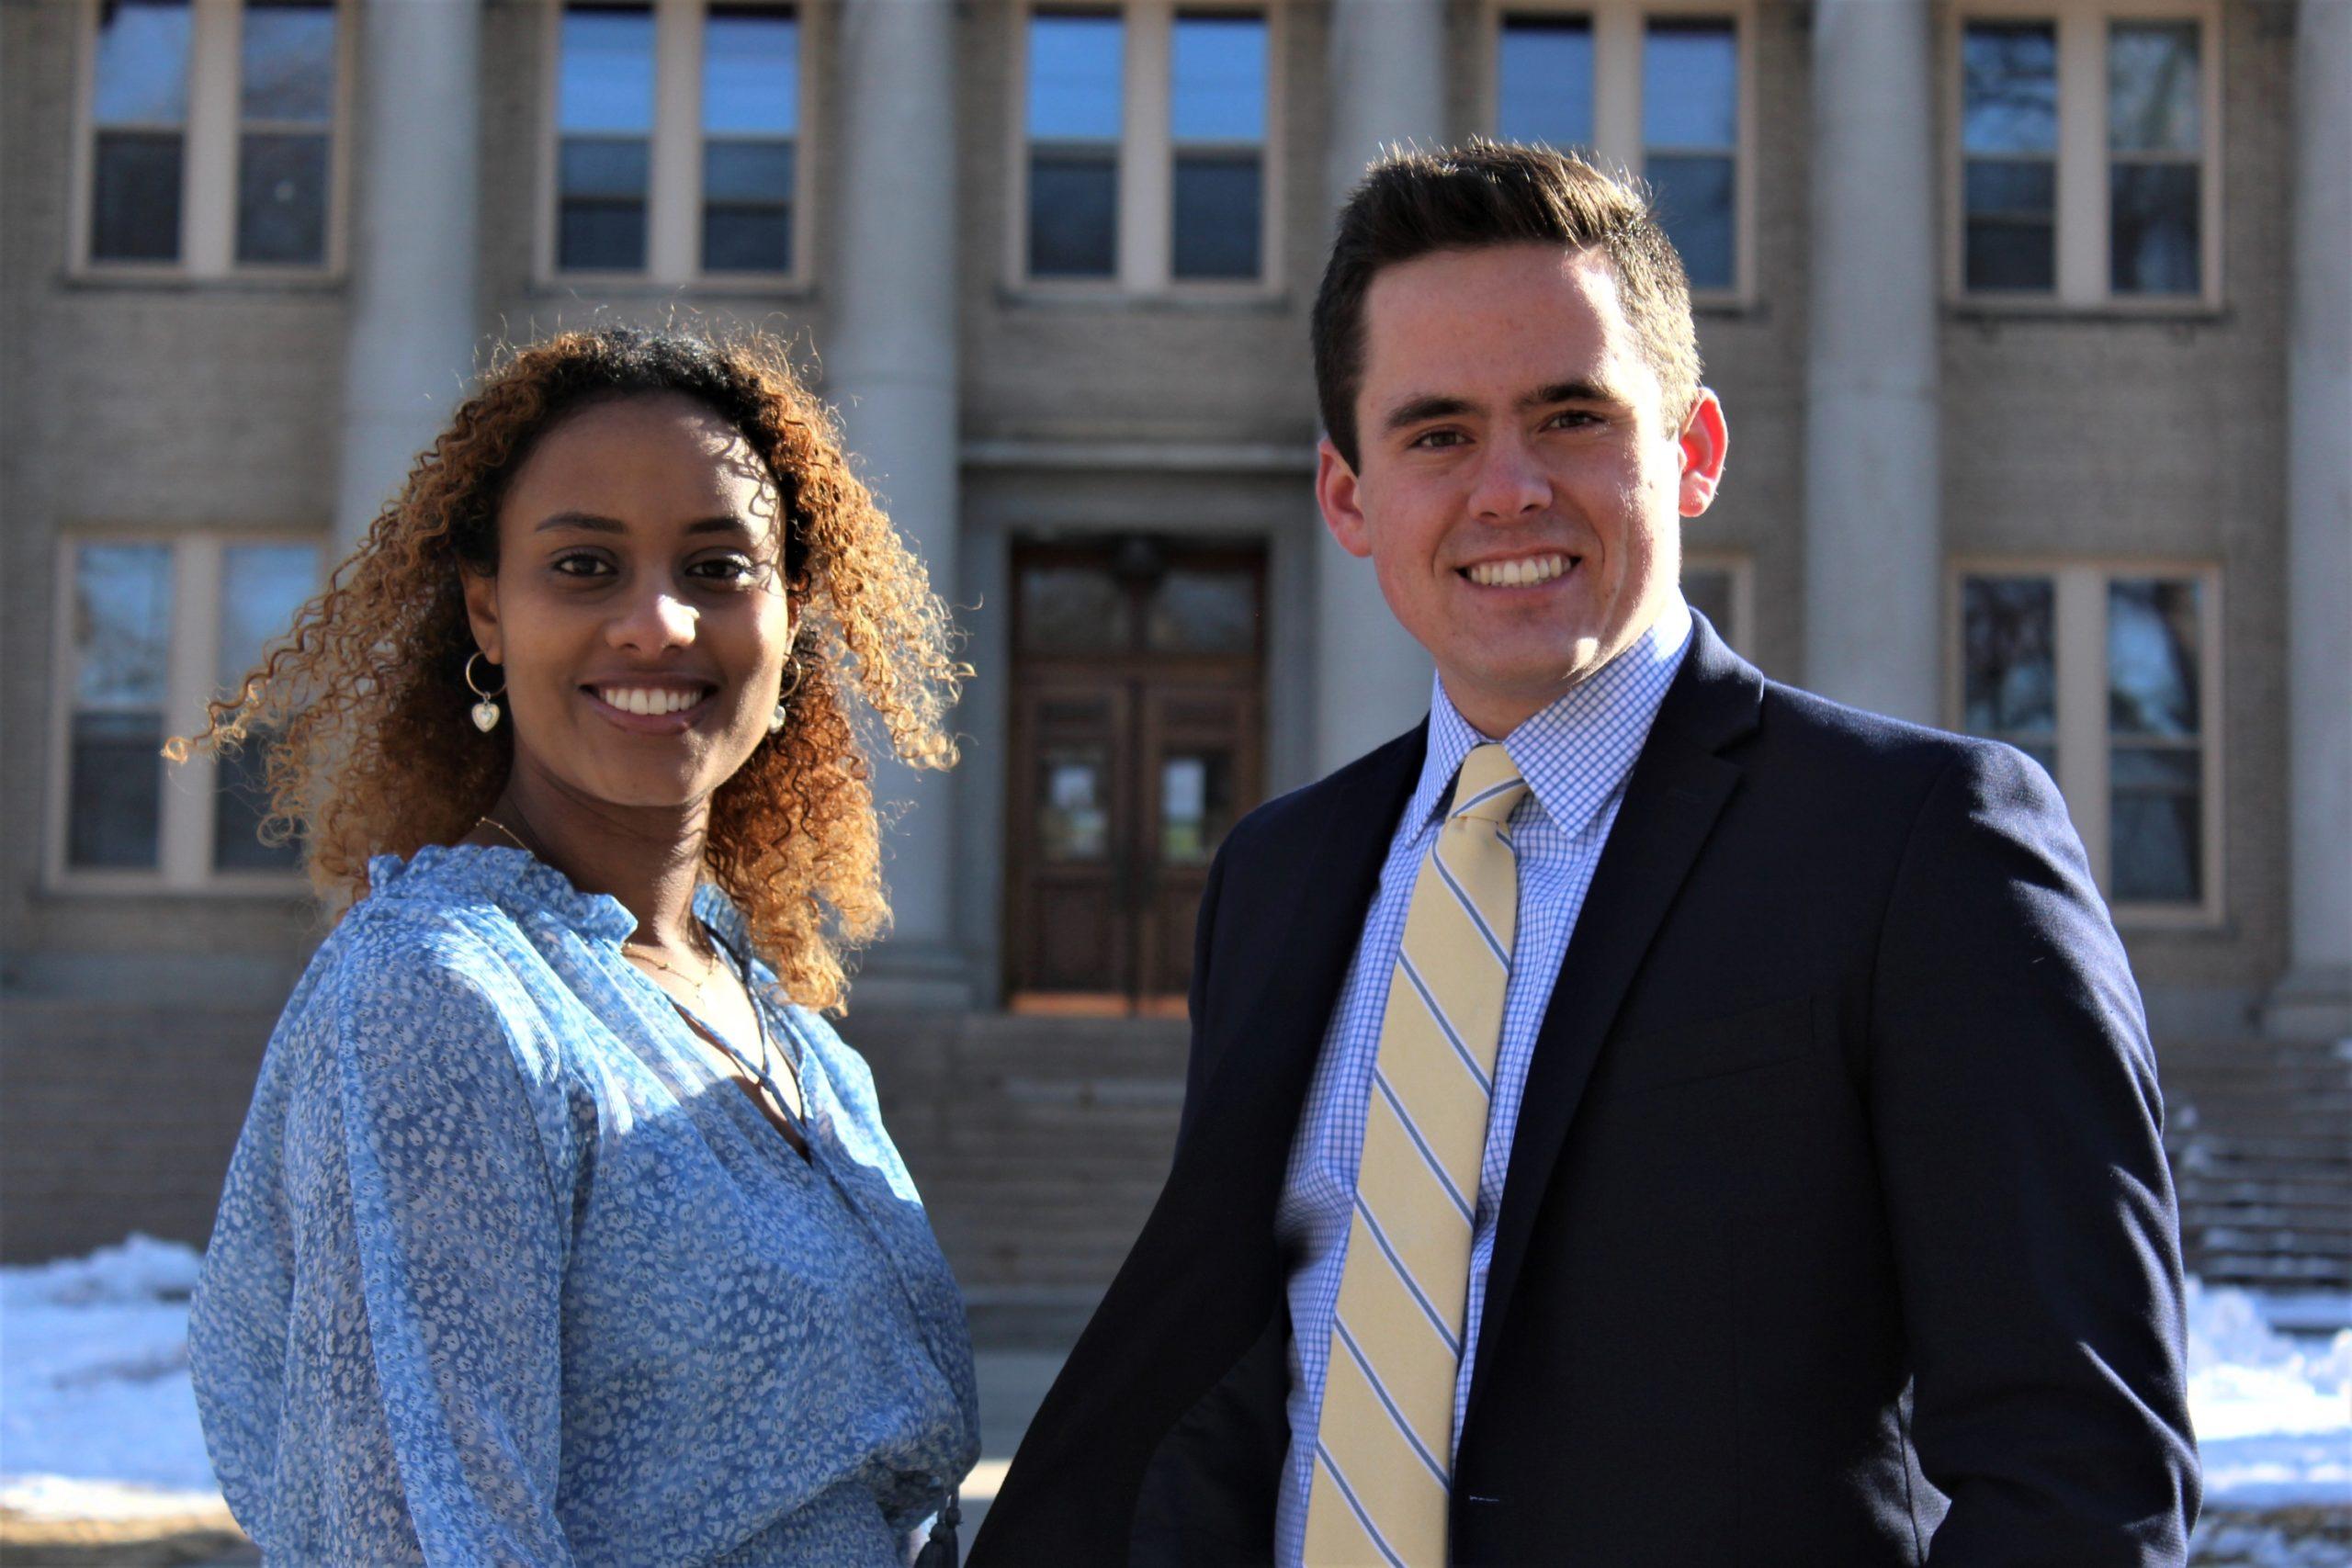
1576 756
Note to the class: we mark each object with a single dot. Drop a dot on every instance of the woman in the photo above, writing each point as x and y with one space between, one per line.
562 1230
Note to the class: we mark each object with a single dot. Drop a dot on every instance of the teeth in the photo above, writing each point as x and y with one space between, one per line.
648 699
1517 573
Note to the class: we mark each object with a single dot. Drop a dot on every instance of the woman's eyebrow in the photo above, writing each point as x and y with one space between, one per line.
591 522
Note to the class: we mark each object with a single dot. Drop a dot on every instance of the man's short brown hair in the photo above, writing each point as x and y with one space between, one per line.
1413 204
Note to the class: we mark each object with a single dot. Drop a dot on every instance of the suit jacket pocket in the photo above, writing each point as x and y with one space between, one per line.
1713 1047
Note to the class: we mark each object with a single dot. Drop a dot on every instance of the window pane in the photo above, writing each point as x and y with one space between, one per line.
1695 202
1074 77
2152 658
2156 844
1074 817
1217 215
2152 98
282 198
262 587
1691 85
288 61
1217 82
2012 232
122 638
1073 214
135 198
750 72
142 76
603 219
1196 806
2009 87
1545 81
1708 589
605 82
116 819
1073 609
123 624
747 210
2008 631
1199 611
2153 243
239 802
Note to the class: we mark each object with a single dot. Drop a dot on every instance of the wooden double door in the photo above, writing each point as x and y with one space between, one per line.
1136 723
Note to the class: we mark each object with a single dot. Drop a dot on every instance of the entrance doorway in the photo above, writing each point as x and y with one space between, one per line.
1137 674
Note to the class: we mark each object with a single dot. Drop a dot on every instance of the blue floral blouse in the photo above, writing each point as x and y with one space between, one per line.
505 1272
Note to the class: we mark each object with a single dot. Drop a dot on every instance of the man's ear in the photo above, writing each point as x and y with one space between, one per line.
482 611
1705 440
1336 493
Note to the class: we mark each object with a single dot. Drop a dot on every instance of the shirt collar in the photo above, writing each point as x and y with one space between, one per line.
1578 751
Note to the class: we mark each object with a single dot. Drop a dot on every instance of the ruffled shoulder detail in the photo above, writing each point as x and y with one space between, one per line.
519 882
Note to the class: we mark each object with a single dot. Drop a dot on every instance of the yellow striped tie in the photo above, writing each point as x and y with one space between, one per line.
1384 1449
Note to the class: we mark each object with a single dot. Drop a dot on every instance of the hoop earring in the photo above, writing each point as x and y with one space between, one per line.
485 712
775 720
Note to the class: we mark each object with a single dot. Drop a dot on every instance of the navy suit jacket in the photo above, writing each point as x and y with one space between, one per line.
1837 1228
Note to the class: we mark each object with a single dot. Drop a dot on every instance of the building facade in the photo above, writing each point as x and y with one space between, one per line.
2032 319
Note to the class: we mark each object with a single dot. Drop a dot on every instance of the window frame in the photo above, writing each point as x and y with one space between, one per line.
2079 588
186 824
1144 245
2082 216
1619 32
211 139
674 196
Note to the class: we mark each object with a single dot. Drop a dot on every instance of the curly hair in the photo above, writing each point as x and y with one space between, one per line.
363 709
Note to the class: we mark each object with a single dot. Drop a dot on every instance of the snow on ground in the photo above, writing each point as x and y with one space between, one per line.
94 1389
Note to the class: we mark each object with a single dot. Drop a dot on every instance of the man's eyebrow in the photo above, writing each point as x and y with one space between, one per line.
1428 405
591 522
1570 392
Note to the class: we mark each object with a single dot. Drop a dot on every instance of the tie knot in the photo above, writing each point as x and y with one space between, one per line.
1489 788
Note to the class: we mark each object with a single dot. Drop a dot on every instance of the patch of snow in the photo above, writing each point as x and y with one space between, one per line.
2272 1413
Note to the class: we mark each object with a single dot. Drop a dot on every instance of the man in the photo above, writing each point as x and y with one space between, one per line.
1711 1126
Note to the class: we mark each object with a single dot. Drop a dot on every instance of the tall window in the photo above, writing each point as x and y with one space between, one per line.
2010 137
1658 93
1218 123
286 112
151 630
2086 150
211 134
1146 137
677 143
2105 677
139 130
750 121
1074 104
605 123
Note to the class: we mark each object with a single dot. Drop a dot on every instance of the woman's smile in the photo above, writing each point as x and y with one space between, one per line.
652 707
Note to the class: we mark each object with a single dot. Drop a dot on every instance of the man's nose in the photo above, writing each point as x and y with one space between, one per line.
1511 482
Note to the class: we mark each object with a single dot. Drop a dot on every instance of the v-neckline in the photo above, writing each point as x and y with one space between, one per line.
686 1019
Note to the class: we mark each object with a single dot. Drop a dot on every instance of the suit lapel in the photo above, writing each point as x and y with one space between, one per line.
1677 787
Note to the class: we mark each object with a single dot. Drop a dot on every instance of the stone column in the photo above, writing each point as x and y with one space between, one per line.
1387 86
2315 998
1873 429
889 360
413 244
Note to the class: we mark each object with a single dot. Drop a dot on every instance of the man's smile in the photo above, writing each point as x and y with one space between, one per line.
1520 571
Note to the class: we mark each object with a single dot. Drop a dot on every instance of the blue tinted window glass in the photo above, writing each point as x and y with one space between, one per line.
122 625
1696 201
1545 89
282 198
605 80
1691 85
2152 686
2154 246
2009 87
286 70
1074 77
750 72
142 63
261 588
2152 97
1218 201
1073 214
2010 643
1219 79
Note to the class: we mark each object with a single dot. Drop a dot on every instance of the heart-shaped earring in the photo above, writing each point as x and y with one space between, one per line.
485 712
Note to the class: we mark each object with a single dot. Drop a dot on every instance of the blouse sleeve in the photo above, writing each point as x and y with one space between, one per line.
432 1184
